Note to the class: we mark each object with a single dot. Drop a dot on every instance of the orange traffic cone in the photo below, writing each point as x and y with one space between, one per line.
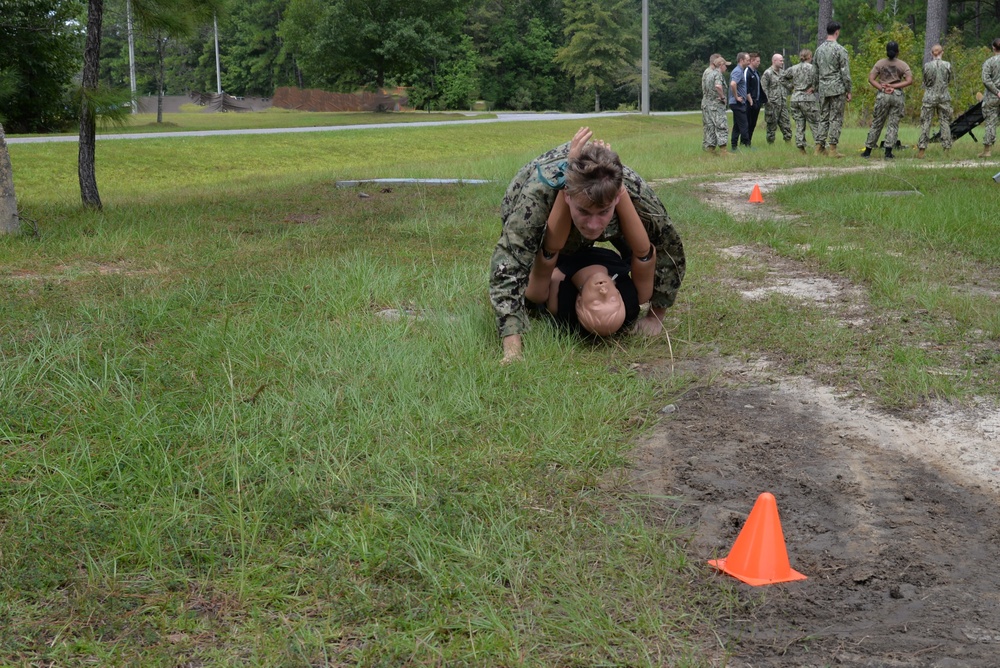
755 196
758 556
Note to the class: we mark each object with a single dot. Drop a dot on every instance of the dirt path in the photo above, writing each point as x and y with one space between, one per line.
894 519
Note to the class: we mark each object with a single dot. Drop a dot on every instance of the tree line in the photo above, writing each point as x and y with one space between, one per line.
66 62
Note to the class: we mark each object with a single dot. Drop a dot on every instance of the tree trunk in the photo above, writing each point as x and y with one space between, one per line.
597 102
825 16
88 119
979 25
879 7
9 222
937 25
160 49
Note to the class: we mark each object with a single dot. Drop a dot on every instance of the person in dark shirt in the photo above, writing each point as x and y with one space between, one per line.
756 98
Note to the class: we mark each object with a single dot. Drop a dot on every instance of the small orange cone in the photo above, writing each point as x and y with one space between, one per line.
758 556
755 196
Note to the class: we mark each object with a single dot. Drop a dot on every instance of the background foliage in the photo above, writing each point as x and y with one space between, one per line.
454 52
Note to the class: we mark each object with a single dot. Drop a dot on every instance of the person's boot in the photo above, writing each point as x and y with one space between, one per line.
711 149
867 153
820 150
832 151
985 153
802 150
888 153
920 153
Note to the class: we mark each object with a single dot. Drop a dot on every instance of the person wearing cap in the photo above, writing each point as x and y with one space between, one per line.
776 111
937 76
803 80
991 98
889 76
713 106
590 181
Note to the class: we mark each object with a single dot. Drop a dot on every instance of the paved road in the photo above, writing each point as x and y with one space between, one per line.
512 117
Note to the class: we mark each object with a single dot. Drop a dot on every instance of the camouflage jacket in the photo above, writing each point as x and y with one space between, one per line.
937 76
991 75
524 213
801 78
834 69
775 91
709 94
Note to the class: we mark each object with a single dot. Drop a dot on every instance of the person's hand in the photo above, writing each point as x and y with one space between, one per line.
848 97
579 140
512 349
652 324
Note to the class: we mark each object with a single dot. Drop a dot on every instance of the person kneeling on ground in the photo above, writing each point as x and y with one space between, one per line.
590 183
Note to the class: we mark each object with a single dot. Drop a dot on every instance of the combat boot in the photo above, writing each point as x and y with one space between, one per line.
888 153
985 153
920 153
820 150
802 150
833 153
711 149
867 153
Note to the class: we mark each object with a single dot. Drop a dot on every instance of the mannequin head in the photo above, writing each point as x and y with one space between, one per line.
600 307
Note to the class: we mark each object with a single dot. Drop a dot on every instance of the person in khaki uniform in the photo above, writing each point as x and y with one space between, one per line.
889 76
937 76
833 67
803 80
991 98
776 109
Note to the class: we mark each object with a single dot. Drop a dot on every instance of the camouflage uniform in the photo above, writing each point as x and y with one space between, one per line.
937 76
524 212
888 106
834 70
802 78
991 103
776 109
713 109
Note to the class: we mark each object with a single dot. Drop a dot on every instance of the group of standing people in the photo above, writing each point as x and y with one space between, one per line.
820 87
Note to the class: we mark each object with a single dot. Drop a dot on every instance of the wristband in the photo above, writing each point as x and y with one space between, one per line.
648 256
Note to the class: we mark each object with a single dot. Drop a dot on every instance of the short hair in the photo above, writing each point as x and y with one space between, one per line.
741 55
600 324
713 58
805 54
937 50
996 44
832 27
891 49
597 173
753 54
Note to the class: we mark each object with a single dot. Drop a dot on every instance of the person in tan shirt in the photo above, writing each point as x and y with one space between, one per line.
889 77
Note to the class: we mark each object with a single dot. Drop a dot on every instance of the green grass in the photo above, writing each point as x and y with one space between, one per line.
216 450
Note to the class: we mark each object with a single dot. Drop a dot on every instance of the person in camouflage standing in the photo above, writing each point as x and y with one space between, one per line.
708 138
803 80
713 106
937 76
591 183
776 109
991 98
889 76
834 70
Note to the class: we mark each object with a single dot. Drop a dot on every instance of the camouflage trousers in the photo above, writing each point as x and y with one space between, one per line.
991 111
944 111
831 119
713 118
805 111
776 115
888 112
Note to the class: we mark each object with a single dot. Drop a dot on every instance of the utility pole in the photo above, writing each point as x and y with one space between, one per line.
645 57
131 56
218 69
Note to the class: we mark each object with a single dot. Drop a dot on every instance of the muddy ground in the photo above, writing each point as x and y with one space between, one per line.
894 519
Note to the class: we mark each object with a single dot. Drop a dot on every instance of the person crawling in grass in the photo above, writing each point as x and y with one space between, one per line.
554 211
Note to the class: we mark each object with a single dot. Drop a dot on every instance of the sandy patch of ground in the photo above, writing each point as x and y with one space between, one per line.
894 518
